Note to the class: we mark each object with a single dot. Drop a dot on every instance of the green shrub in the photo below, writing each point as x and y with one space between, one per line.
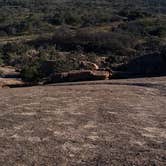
71 19
30 74
1 58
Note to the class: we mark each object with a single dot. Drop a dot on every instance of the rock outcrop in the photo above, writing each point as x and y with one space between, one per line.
80 75
9 77
10 82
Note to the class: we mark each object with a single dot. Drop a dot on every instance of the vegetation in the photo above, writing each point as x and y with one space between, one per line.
120 31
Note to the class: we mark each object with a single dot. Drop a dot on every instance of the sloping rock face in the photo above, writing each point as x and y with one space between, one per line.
99 123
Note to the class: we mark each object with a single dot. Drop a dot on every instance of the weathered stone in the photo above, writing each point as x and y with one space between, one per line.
80 75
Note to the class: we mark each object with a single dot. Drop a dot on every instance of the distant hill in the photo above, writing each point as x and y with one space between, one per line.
119 31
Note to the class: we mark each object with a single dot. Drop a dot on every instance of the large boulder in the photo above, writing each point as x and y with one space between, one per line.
101 74
57 77
80 75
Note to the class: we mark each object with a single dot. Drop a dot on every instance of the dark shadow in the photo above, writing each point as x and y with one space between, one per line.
150 65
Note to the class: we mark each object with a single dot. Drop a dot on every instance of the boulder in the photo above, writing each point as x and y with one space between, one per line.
101 75
80 75
58 77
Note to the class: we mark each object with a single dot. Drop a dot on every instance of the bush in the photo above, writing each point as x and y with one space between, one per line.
30 73
103 42
133 14
71 19
12 53
1 59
